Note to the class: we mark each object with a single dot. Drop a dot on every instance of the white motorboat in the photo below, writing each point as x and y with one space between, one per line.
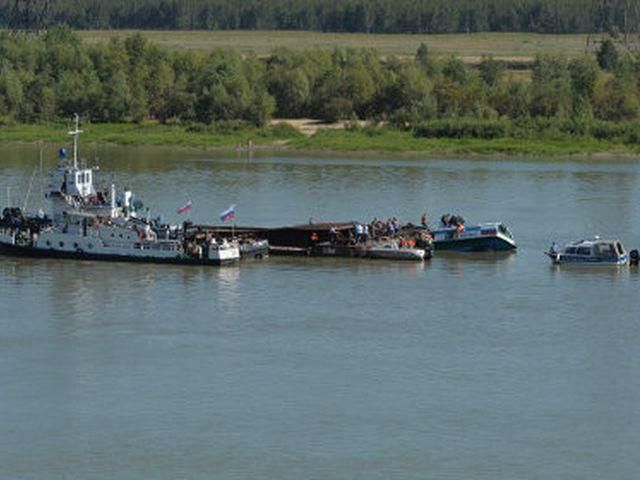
392 251
592 252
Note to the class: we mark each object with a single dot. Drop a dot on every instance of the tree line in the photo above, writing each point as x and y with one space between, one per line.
367 16
133 80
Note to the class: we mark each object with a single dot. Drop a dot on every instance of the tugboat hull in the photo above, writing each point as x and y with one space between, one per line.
27 251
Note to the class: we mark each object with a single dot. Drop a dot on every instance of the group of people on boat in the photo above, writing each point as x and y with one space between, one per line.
451 221
379 230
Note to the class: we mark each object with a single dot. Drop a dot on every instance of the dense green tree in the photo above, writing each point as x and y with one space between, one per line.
491 70
380 16
584 75
608 55
132 80
425 59
512 99
11 92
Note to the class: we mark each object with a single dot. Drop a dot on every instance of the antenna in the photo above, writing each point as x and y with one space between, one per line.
75 134
26 197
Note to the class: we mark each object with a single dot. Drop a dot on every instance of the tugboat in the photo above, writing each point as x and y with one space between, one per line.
593 252
89 224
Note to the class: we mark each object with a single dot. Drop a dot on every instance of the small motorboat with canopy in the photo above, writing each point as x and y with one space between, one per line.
593 252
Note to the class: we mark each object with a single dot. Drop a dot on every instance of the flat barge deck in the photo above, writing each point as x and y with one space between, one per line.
316 240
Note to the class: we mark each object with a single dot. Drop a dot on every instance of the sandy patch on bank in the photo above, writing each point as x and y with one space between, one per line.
310 126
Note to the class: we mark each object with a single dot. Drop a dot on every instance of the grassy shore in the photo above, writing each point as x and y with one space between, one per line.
399 141
150 134
470 47
327 140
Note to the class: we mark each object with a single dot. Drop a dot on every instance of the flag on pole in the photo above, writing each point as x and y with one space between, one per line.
228 214
185 208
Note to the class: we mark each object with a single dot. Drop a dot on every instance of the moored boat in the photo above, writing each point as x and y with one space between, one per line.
391 251
487 237
593 252
91 224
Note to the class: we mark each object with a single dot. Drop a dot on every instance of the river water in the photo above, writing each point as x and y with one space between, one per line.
483 367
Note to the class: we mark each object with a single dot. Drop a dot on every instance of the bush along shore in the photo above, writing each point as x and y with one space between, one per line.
136 92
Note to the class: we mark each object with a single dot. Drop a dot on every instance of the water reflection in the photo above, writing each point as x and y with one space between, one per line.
589 272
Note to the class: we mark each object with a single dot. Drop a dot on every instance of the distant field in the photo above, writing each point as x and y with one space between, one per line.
517 47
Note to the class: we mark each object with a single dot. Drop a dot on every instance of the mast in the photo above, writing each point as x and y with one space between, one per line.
75 134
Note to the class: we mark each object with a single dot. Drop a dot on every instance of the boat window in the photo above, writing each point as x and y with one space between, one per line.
584 251
62 244
571 251
606 250
48 243
620 249
75 244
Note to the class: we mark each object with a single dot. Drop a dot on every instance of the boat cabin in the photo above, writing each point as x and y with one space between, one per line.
602 248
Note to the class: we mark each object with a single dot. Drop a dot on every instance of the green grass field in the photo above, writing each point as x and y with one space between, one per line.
507 46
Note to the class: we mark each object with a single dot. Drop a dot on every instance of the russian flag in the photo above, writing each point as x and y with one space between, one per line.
185 208
228 214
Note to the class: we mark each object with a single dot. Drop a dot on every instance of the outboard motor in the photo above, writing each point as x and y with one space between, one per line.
634 258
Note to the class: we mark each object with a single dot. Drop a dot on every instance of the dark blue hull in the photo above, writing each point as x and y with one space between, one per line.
481 244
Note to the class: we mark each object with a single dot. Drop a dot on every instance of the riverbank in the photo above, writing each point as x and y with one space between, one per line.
283 136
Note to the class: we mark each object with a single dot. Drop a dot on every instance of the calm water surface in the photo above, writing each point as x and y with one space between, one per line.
483 367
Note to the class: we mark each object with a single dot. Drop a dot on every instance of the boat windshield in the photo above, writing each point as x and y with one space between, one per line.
504 231
584 251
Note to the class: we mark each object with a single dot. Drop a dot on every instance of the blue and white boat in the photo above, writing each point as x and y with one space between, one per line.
487 237
592 252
